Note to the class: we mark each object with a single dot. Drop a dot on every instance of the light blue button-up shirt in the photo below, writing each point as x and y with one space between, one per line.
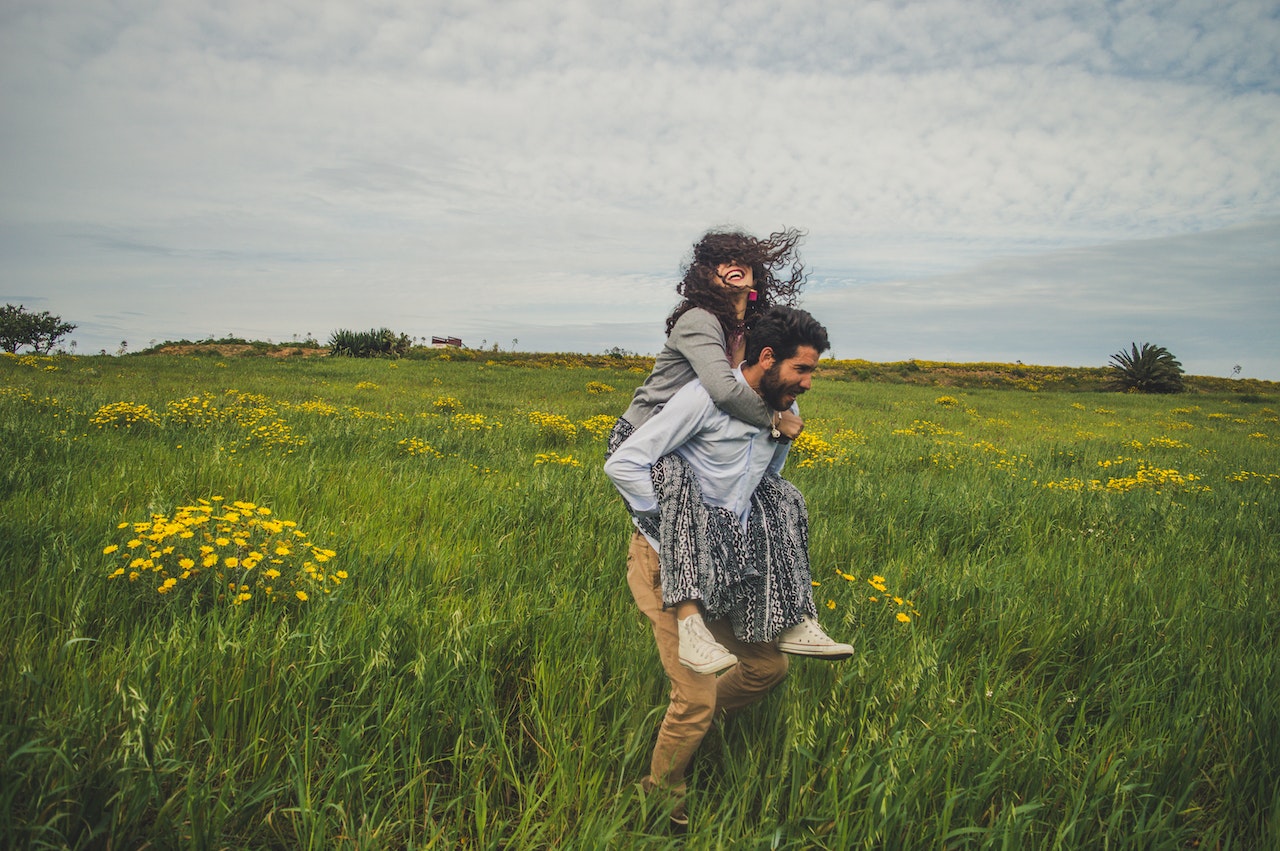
729 456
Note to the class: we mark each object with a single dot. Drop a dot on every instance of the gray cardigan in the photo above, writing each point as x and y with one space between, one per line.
696 348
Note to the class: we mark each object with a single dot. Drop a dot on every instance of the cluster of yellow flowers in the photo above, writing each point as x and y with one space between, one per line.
416 446
553 458
43 403
315 407
35 361
447 405
598 387
947 401
229 552
274 432
1157 443
1073 484
237 398
390 417
600 425
474 422
195 411
366 385
259 418
951 454
262 427
1156 479
1248 475
905 609
261 422
252 412
553 425
1145 478
124 415
814 450
924 428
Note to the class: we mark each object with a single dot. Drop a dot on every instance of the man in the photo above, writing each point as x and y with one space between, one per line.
765 616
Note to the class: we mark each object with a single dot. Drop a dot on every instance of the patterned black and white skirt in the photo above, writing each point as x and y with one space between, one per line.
758 577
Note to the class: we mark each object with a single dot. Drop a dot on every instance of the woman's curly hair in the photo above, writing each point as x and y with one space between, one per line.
770 260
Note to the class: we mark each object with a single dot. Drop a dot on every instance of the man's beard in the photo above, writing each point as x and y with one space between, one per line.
774 390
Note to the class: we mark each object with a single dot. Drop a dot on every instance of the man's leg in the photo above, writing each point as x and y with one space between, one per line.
693 696
760 667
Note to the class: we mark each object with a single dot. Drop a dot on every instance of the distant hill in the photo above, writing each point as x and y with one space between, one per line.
1011 376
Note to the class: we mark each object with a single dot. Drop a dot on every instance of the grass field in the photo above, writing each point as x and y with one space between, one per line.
1087 656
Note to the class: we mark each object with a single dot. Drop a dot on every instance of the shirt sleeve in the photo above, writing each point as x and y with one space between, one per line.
630 464
699 339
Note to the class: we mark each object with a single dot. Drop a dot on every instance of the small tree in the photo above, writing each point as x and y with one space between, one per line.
1149 369
41 331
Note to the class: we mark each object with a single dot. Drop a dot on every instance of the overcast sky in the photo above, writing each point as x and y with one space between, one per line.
1044 182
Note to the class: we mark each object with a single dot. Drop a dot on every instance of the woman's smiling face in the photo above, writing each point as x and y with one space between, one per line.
735 276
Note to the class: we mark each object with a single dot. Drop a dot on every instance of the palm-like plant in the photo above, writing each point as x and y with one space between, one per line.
1150 369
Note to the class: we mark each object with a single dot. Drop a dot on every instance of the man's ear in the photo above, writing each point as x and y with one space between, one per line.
767 359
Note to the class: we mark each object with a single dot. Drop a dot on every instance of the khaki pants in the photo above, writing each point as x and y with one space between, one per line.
695 698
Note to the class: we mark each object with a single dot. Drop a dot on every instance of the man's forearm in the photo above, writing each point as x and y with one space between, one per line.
630 473
631 464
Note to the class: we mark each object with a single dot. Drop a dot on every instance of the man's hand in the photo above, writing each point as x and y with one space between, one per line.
789 425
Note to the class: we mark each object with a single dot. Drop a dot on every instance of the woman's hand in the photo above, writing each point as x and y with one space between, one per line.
789 425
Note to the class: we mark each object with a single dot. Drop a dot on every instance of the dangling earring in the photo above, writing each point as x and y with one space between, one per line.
752 296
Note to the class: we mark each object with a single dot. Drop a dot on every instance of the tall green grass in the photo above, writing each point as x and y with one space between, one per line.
1091 666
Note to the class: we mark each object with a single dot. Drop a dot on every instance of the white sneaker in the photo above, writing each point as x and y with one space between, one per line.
807 639
699 650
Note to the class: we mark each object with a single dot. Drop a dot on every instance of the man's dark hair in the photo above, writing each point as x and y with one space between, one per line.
784 329
774 263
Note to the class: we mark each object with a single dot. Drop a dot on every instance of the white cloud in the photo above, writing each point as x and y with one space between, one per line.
371 156
1211 298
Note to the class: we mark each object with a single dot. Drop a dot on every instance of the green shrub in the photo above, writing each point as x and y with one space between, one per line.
374 343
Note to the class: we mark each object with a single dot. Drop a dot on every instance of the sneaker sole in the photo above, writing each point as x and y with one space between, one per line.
713 666
833 654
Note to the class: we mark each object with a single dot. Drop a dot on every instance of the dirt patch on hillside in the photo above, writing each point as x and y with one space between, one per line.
232 350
